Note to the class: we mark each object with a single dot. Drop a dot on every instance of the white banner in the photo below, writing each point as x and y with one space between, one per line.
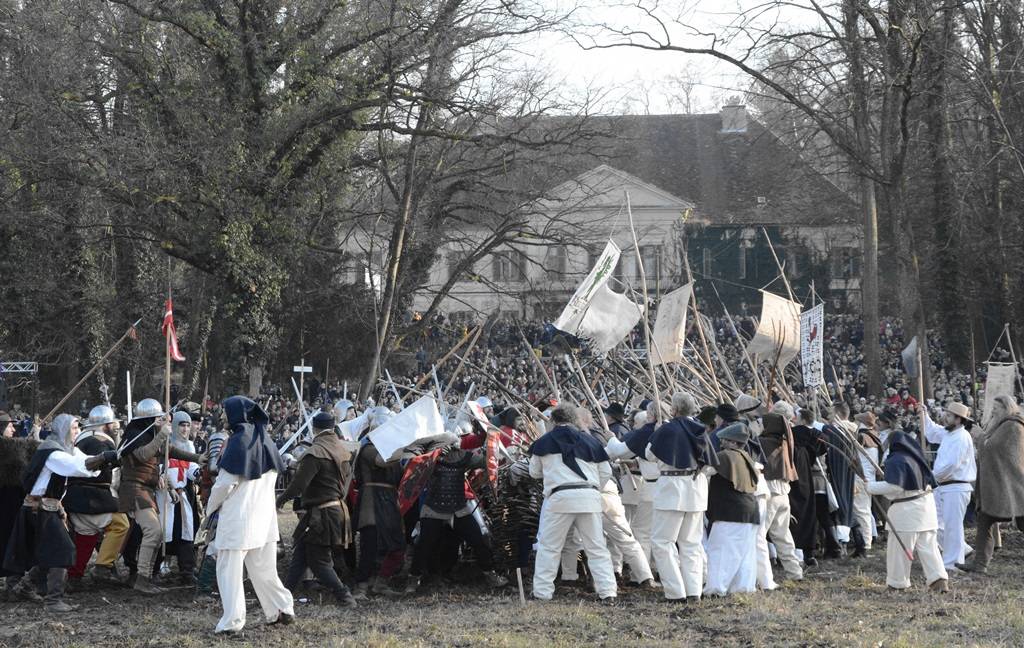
1001 377
609 318
812 327
778 328
571 317
669 332
419 421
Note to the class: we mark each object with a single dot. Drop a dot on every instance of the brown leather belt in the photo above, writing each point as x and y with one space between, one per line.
331 504
379 484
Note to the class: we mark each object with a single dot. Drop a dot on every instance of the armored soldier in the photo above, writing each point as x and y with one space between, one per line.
92 502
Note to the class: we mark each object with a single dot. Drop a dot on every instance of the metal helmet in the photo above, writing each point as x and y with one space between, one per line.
378 415
484 402
342 408
100 415
148 408
180 418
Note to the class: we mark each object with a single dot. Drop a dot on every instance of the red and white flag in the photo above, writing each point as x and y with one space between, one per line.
167 328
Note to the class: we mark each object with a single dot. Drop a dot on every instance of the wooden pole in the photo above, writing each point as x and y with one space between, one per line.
1013 356
91 371
462 361
587 393
536 360
167 441
920 396
647 324
758 383
700 324
445 357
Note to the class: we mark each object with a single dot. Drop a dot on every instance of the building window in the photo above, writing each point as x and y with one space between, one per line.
651 256
377 261
557 264
626 270
705 262
743 262
509 265
792 269
845 263
453 259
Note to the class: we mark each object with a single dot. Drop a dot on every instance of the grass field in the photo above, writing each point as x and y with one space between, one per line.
840 603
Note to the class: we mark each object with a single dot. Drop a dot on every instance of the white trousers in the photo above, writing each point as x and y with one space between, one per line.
678 554
732 558
765 578
862 511
261 565
952 506
571 557
897 563
640 522
621 540
551 537
780 535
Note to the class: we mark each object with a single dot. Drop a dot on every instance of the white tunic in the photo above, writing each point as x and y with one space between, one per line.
177 479
351 429
955 458
65 464
644 482
555 473
687 493
248 512
916 515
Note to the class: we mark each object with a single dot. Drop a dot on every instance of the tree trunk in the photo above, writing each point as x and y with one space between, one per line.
869 207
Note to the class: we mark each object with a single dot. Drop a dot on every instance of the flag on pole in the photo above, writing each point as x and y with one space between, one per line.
571 317
420 421
778 330
910 358
1001 376
596 312
812 325
170 333
609 318
669 334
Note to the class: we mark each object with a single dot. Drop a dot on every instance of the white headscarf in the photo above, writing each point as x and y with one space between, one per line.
60 434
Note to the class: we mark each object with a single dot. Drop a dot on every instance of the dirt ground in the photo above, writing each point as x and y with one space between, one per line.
840 603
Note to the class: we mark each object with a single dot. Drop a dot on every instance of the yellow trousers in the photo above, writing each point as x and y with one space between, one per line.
113 540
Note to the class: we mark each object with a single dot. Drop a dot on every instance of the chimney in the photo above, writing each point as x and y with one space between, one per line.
734 118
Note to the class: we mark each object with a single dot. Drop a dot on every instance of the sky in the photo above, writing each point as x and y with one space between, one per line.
639 80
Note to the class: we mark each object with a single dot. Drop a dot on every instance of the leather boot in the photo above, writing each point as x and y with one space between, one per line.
362 592
145 585
381 587
941 585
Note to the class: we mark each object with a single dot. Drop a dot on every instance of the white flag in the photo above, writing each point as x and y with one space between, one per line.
1001 377
418 422
571 317
779 326
609 318
669 334
812 325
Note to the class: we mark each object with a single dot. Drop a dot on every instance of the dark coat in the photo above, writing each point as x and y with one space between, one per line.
808 447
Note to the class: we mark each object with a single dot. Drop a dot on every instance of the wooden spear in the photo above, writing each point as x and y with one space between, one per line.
445 357
129 333
647 322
